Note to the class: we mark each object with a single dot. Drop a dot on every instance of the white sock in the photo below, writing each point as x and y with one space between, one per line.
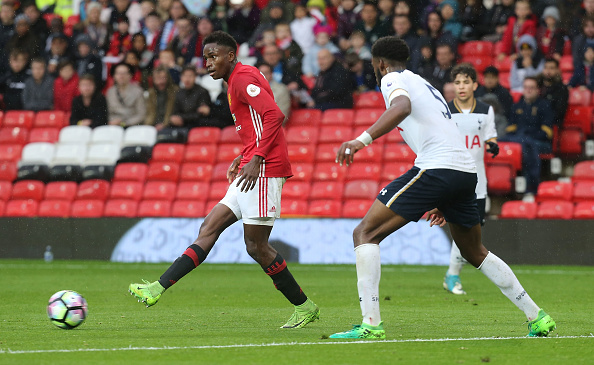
456 260
368 278
501 275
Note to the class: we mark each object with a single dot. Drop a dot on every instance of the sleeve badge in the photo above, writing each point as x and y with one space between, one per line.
253 90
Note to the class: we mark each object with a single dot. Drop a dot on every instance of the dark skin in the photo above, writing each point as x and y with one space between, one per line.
380 221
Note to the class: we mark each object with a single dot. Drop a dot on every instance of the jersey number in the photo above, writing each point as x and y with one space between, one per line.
437 96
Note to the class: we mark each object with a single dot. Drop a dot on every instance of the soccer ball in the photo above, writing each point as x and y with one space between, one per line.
67 309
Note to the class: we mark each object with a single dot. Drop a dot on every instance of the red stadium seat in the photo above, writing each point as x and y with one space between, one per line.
328 190
361 189
325 208
188 209
571 142
206 153
228 152
582 191
120 208
503 65
301 134
5 190
130 172
335 134
554 190
219 171
499 178
579 97
329 171
511 153
372 153
477 48
21 208
583 171
163 171
393 170
210 205
8 170
302 171
326 152
54 208
555 209
480 63
168 152
293 207
154 208
566 64
370 99
50 119
301 152
566 77
10 152
400 152
128 190
28 189
2 206
305 117
366 117
159 190
49 135
218 190
87 208
193 171
579 117
296 190
393 137
192 190
338 117
356 208
506 83
18 118
360 171
93 190
61 190
229 135
14 135
584 210
204 135
517 209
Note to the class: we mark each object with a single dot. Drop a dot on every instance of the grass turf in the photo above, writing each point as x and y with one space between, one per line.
204 317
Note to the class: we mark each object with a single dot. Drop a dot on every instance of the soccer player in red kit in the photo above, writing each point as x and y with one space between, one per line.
256 176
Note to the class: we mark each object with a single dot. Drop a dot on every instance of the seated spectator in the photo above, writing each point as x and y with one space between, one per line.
317 9
435 34
449 91
125 100
90 107
58 52
138 77
440 71
582 41
183 44
7 16
385 9
219 113
176 10
529 62
268 38
204 29
495 20
403 7
582 12
582 76
549 37
167 60
145 56
65 86
425 55
531 124
95 29
358 46
403 29
23 38
472 17
121 40
37 24
280 72
192 103
449 12
491 86
131 10
291 51
362 73
310 66
347 18
86 61
38 93
333 87
370 25
302 28
554 90
243 19
276 15
12 82
522 23
152 30
161 98
217 13
282 96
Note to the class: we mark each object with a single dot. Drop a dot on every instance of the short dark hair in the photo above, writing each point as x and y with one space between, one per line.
87 77
465 69
189 68
65 63
492 70
259 64
18 52
533 78
39 60
554 60
391 48
222 39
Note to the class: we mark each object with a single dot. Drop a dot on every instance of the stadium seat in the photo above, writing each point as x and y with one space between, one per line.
305 117
329 190
141 154
477 48
504 65
293 207
204 152
93 190
579 97
21 208
154 208
329 171
2 203
229 135
335 134
87 208
361 189
325 208
192 190
506 83
54 208
337 117
326 152
517 209
302 171
193 171
163 171
579 117
566 63
217 190
227 152
128 190
571 142
554 190
584 210
356 208
393 137
393 170
360 171
140 135
112 134
50 119
210 205
291 190
18 118
366 117
14 135
76 134
102 154
582 191
6 189
120 208
372 153
219 171
172 135
500 178
34 172
38 153
67 162
61 190
555 209
28 189
188 209
301 134
49 135
130 172
583 171
370 99
168 152
8 171
159 190
204 135
301 152
10 152
511 153
400 152
480 63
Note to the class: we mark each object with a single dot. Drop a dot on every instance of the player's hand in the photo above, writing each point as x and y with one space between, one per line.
250 172
493 148
347 151
436 218
233 169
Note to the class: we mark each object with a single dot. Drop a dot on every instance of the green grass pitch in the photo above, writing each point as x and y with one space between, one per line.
230 314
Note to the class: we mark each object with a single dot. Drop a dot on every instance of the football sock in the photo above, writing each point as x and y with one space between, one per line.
284 281
188 261
456 260
368 278
501 275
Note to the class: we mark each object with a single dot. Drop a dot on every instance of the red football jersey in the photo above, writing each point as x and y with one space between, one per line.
258 121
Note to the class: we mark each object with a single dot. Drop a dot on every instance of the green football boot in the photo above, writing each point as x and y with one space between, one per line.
363 331
304 314
542 325
147 293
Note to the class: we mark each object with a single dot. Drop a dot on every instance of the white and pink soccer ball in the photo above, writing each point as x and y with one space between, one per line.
67 309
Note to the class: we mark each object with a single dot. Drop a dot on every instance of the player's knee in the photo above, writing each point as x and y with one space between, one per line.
207 228
361 235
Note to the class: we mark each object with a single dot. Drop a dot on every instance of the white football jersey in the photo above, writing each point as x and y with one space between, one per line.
477 126
429 129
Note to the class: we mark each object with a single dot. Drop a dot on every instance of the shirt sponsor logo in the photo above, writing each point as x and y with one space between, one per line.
253 90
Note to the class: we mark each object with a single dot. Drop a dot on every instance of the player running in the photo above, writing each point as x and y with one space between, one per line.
442 182
256 176
476 123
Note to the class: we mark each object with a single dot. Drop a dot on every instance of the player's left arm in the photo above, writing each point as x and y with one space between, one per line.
491 133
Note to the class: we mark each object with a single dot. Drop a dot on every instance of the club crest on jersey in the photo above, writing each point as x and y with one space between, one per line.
253 90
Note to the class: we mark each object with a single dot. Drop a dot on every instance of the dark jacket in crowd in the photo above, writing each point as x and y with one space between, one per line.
333 88
366 80
91 64
503 95
219 112
12 85
96 111
39 96
532 119
558 95
187 102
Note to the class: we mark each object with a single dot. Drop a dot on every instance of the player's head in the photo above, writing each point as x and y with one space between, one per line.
220 55
464 78
388 53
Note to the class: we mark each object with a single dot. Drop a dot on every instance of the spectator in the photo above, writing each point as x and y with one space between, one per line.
472 18
280 73
582 41
152 30
449 91
146 7
65 86
287 7
583 76
95 29
38 93
291 51
554 90
37 24
403 7
550 37
167 60
217 13
449 12
370 24
403 30
123 8
317 9
529 62
86 61
276 15
531 125
583 12
161 98
500 117
492 86
138 77
358 46
163 7
311 66
435 33
496 20
362 73
7 16
268 39
522 23
334 86
125 100
204 29
219 112
121 40
282 96
12 82
439 73
90 107
386 11
58 52
347 18
192 103
243 19
140 48
425 62
176 11
302 28
23 38
183 44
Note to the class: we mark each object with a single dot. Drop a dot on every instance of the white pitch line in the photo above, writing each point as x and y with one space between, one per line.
205 347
